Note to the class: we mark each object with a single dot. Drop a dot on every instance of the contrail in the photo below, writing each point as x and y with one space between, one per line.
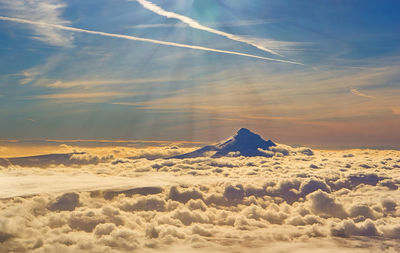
194 24
128 37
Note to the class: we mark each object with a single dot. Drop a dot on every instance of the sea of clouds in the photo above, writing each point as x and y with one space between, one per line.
292 200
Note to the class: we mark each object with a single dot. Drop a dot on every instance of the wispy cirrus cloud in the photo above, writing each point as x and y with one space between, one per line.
331 98
83 96
99 82
45 11
358 93
194 24
219 24
32 75
133 38
278 45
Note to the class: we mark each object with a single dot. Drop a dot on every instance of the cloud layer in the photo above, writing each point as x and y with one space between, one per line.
293 201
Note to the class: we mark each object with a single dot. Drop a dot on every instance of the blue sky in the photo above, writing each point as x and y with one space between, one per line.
326 72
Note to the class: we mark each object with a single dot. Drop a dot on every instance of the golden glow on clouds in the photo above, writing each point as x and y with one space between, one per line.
396 111
332 201
101 148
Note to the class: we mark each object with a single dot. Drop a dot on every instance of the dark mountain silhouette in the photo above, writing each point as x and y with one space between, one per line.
42 160
244 142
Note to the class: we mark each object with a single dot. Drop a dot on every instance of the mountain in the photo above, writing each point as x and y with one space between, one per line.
244 142
42 160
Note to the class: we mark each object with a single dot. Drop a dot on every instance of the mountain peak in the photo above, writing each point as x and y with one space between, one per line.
243 131
245 134
244 143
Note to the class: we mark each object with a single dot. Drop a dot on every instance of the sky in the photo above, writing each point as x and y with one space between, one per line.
323 73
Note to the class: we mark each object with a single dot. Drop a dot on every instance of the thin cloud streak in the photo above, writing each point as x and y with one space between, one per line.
120 141
128 37
84 95
358 93
219 24
92 83
194 24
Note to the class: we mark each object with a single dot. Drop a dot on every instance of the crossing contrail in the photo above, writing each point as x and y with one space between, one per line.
128 37
194 24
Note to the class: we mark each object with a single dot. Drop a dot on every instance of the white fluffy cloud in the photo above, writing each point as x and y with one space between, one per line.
347 201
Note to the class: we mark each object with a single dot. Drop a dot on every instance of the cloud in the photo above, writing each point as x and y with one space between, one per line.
43 11
53 153
65 202
93 83
33 74
392 231
358 93
27 186
218 24
323 204
273 104
84 97
396 111
128 37
255 204
277 45
349 228
194 24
